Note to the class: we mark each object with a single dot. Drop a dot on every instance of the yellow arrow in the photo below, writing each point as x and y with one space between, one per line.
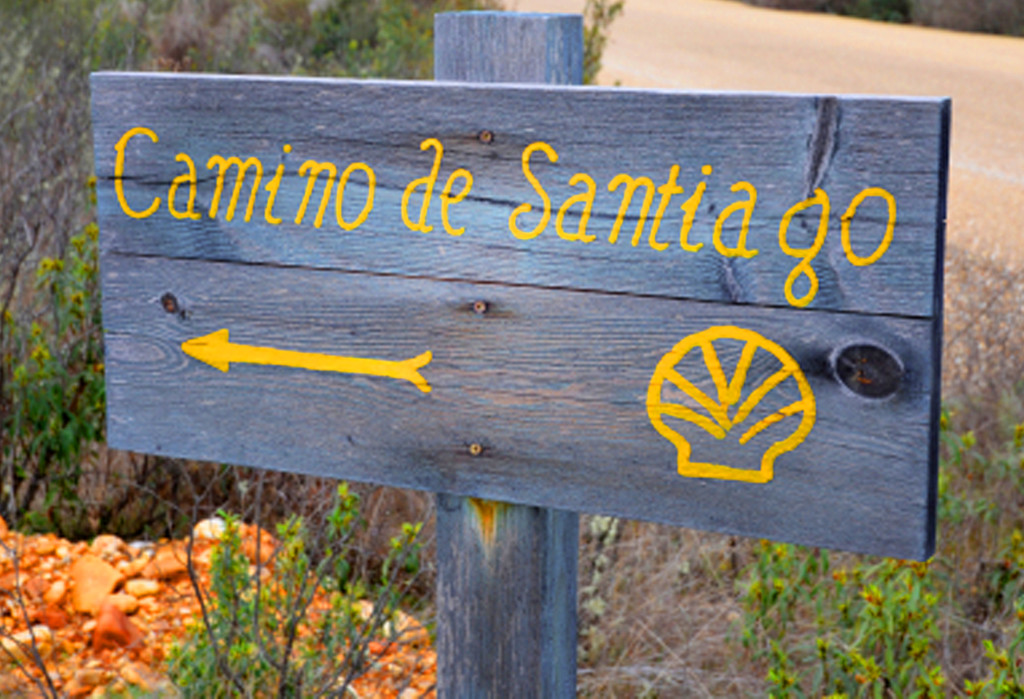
215 350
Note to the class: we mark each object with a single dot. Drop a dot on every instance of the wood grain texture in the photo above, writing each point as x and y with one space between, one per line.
543 349
497 47
507 594
506 573
551 383
783 146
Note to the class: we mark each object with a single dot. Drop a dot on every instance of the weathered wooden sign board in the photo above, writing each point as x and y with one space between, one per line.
721 311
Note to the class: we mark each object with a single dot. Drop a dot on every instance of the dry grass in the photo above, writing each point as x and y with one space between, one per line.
657 619
983 359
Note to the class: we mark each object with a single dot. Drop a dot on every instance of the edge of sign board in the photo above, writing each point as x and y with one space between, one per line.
938 324
102 75
134 352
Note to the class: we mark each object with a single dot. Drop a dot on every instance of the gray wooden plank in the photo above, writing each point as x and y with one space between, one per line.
503 565
499 47
551 384
784 146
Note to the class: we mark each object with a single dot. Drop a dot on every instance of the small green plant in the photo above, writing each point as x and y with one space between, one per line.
885 628
600 537
300 624
598 16
865 630
56 391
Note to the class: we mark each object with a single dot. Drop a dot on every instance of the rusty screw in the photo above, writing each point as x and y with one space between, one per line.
486 136
169 302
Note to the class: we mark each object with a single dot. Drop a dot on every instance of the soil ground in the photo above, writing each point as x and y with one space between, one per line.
724 45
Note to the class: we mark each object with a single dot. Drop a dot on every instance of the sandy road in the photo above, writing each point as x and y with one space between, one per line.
724 45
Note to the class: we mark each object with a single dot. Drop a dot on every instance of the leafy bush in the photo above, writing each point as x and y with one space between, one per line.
386 38
874 628
51 388
598 16
296 625
55 394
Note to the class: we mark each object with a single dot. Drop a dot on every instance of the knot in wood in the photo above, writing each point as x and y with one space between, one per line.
869 371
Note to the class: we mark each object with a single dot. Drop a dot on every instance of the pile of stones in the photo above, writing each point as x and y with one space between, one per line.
100 616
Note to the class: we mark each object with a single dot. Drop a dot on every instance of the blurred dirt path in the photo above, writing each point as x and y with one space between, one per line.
724 45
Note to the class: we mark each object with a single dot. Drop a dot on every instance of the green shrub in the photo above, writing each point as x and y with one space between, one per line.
598 16
874 626
260 635
896 628
51 385
55 394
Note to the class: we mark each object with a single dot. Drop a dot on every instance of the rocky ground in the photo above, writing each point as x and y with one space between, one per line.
101 617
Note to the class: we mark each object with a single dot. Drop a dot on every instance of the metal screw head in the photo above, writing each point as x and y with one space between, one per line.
486 136
475 449
480 307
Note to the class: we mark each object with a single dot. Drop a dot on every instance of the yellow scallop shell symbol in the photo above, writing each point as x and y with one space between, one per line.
766 388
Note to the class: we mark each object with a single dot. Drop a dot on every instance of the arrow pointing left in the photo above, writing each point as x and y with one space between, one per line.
216 350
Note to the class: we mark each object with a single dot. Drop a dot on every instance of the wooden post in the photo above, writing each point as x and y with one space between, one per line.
506 581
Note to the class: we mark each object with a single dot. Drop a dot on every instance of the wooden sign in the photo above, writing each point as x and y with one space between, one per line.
721 311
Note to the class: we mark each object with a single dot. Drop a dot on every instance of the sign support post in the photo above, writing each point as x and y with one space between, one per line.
506 581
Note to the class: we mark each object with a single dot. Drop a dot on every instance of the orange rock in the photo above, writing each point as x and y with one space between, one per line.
114 629
133 567
9 581
137 675
127 603
142 588
211 529
3 528
267 544
169 562
34 587
407 630
52 616
84 682
93 580
46 545
19 647
55 593
203 559
29 560
107 547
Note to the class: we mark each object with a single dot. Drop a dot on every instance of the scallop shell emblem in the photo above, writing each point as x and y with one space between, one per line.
764 409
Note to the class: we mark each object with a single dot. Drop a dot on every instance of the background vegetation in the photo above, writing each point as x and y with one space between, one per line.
664 611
